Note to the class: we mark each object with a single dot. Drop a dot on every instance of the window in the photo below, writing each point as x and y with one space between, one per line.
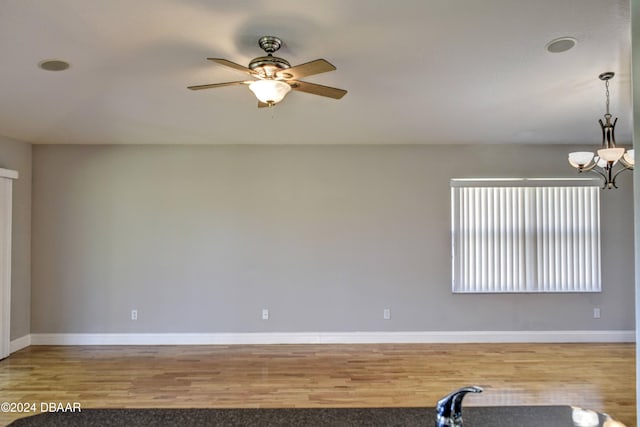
525 236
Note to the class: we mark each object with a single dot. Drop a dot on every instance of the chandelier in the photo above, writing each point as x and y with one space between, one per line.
609 161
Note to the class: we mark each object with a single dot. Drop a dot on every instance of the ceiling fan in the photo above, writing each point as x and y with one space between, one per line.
275 77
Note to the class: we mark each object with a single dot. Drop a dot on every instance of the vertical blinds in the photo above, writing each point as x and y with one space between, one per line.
526 239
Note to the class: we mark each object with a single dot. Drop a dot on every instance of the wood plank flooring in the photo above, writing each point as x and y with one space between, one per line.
595 376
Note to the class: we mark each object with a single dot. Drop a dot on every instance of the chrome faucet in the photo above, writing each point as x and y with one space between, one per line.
449 408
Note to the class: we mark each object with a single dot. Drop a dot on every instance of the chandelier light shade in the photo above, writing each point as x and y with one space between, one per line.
609 161
629 157
580 159
611 154
269 91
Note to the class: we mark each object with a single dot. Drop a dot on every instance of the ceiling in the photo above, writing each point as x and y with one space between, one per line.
417 71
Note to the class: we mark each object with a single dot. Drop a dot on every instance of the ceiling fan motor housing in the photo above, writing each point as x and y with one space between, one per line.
268 65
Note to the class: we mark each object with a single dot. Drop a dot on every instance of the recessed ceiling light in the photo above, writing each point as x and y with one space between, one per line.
53 65
562 44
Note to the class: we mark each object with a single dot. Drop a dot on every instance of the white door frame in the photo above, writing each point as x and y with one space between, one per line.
6 201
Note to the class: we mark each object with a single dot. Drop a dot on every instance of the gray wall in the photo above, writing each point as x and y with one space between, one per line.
201 238
635 84
17 156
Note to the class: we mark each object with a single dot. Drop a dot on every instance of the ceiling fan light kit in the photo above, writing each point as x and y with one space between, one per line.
610 160
274 77
269 92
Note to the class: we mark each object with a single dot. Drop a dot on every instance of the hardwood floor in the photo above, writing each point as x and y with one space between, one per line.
595 376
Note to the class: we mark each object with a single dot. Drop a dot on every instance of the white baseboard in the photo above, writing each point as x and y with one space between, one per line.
20 343
328 338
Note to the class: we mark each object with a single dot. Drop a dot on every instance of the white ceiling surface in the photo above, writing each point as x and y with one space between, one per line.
417 71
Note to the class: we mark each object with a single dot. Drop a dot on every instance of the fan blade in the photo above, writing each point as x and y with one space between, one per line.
316 89
307 69
233 65
214 85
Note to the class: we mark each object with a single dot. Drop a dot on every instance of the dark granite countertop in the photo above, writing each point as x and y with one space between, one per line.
503 416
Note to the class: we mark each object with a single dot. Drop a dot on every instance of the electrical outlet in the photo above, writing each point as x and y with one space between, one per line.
386 314
134 314
596 313
265 314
